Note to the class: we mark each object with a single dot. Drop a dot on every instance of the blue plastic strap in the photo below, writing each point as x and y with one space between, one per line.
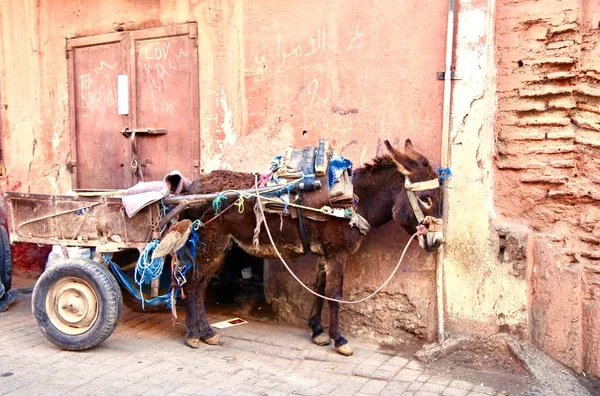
444 173
337 166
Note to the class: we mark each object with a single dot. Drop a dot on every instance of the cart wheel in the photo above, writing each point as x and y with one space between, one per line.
5 260
77 304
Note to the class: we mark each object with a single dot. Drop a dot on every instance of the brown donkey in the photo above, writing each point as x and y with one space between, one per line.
380 188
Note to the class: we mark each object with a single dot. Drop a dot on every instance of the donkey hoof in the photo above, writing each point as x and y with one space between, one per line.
322 339
345 349
213 340
193 342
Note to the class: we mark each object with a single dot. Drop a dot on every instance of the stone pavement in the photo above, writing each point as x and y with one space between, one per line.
146 356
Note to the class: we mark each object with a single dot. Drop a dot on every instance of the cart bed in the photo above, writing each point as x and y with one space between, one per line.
86 221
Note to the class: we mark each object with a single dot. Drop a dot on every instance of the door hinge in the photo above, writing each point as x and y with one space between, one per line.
196 164
453 76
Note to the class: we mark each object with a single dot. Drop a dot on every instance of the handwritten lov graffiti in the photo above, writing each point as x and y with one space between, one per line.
160 63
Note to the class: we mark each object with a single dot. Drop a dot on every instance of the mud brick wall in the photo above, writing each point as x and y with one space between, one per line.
548 165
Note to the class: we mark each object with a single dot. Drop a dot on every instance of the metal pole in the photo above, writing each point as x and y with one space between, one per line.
444 163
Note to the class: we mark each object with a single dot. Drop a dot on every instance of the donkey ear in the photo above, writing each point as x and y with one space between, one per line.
404 163
414 154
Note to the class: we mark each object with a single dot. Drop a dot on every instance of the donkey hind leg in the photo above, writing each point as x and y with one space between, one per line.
333 289
319 336
192 337
207 333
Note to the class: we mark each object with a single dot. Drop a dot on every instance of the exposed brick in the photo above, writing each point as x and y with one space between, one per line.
582 122
544 90
560 75
526 105
575 191
560 44
518 163
562 28
537 147
524 133
562 103
588 89
587 107
588 139
559 60
538 177
552 150
536 32
543 120
563 164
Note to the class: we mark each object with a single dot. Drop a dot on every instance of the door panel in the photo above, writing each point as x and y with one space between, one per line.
165 72
102 156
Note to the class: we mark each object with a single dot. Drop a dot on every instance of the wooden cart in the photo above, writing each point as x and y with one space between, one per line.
78 301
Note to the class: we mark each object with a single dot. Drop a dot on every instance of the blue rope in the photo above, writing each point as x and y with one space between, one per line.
194 239
444 173
147 269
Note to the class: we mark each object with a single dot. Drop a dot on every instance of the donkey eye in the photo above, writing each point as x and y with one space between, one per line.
426 202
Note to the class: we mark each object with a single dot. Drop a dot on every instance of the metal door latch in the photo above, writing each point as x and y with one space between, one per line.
146 131
70 165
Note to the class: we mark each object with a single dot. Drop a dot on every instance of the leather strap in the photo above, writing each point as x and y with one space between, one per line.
302 227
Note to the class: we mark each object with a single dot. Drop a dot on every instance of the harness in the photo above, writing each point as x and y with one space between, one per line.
433 224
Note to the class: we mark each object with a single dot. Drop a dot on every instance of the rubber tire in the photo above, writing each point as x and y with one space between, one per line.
5 260
109 303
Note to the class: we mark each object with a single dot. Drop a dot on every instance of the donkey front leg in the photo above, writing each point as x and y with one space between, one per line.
319 336
333 289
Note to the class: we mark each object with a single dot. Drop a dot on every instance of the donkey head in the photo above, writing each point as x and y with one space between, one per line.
422 188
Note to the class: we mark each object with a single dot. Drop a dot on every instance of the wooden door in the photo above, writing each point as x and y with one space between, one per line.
161 65
164 69
100 156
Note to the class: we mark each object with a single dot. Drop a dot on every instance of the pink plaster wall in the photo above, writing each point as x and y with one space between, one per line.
271 74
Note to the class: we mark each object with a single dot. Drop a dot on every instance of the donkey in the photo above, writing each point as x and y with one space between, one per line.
380 188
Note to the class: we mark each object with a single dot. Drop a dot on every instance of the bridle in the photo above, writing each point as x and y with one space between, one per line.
433 224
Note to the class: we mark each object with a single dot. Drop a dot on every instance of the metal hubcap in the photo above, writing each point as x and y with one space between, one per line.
72 305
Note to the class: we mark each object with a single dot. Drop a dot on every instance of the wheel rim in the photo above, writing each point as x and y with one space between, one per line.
72 305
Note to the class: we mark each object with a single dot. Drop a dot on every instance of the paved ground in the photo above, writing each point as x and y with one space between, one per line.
146 356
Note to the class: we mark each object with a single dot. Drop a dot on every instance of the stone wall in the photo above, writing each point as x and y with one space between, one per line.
548 165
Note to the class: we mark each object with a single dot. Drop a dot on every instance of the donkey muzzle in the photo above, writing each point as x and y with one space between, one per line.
433 238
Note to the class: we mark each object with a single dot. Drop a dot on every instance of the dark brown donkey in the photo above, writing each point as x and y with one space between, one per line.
382 197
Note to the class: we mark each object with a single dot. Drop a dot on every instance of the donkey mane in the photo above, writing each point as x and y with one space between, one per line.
379 163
